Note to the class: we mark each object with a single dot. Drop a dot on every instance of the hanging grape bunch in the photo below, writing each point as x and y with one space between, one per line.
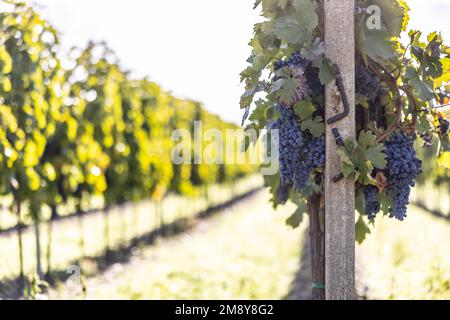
300 153
443 125
398 85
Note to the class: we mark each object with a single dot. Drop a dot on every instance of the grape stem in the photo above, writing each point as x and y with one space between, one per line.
398 101
434 108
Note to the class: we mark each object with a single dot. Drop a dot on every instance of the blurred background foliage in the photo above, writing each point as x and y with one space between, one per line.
77 131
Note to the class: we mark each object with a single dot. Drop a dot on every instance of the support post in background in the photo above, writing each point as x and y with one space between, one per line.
340 195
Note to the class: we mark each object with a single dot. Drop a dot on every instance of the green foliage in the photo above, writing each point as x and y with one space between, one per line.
361 230
359 159
88 131
413 76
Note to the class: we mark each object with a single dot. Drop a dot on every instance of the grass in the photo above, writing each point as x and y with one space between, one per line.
245 253
406 260
248 253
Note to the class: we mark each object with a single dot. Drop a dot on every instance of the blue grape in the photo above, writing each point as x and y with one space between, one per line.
371 204
367 83
402 169
443 126
290 142
296 59
299 153
312 158
279 64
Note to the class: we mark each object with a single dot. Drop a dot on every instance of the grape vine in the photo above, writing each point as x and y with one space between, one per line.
399 85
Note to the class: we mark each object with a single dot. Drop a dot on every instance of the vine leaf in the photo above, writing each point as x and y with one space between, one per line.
298 27
361 158
312 50
326 72
307 14
378 46
395 16
247 97
286 88
361 230
424 88
297 217
315 126
445 77
287 28
371 150
304 109
272 182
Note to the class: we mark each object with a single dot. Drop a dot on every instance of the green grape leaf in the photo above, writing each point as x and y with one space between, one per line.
393 15
307 14
376 155
361 230
326 72
424 88
297 217
362 157
304 109
359 201
288 28
370 150
445 77
433 66
247 97
315 126
272 182
378 46
286 88
385 202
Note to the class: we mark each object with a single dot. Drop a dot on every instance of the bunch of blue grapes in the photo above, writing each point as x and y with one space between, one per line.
402 169
290 144
371 204
367 83
314 153
299 153
443 126
295 60
427 139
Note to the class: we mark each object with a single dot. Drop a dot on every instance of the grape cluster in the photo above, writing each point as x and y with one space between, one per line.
314 154
295 60
427 139
299 153
290 142
371 203
444 125
367 83
402 168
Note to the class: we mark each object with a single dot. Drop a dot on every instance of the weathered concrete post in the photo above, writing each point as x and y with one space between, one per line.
339 196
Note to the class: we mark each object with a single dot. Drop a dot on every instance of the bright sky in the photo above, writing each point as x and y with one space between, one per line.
194 48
